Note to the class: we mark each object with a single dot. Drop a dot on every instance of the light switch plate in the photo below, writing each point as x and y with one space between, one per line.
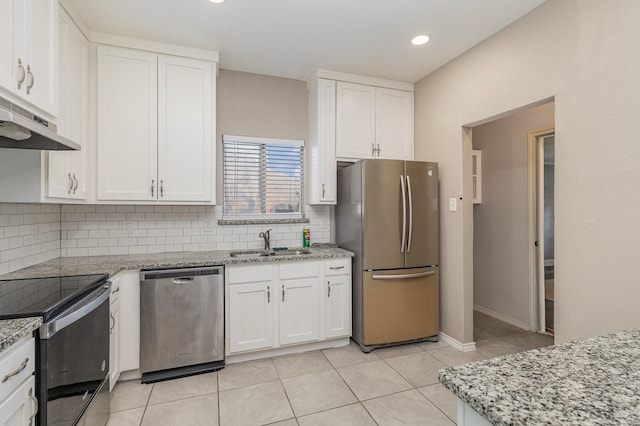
453 205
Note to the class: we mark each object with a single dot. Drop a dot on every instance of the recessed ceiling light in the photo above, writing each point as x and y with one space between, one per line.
216 1
419 40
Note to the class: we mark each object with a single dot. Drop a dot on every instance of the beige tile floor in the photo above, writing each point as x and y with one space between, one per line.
343 386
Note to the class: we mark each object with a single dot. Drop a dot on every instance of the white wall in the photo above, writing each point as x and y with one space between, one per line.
583 52
501 221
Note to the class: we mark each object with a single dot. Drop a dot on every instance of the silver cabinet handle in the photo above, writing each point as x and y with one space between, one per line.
113 323
335 268
116 290
323 190
21 74
409 196
153 184
162 187
378 150
268 294
373 150
403 276
75 186
70 184
33 80
182 280
34 400
17 371
283 293
328 289
404 214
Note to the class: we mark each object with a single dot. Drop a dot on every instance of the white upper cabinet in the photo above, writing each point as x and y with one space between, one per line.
355 121
185 129
28 53
127 124
321 146
155 127
67 169
373 122
394 124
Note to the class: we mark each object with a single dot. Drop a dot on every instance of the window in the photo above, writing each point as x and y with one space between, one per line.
262 178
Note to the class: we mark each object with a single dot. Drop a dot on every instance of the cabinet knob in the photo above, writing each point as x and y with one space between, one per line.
31 81
21 74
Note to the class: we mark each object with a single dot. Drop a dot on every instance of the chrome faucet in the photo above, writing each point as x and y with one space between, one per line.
266 236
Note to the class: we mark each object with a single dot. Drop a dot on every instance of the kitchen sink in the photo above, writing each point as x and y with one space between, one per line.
290 252
249 254
252 254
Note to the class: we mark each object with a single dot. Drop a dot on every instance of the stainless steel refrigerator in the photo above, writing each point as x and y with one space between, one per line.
387 214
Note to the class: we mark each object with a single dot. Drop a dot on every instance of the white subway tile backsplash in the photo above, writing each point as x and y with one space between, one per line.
32 233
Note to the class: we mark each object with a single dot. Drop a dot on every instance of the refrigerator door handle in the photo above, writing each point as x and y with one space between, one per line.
402 276
410 214
404 214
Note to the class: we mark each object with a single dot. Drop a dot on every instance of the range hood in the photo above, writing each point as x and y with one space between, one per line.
21 130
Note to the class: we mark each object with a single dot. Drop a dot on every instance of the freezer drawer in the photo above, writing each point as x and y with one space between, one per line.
181 318
400 305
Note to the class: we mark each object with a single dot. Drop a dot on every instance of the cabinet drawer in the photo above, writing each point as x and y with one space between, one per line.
249 274
340 266
16 364
299 270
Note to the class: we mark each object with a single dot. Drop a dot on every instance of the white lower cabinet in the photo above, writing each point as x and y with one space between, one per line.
283 304
128 328
115 319
251 313
18 403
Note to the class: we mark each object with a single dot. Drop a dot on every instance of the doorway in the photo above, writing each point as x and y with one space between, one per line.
544 147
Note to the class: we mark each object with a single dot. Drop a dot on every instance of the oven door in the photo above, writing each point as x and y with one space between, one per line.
74 359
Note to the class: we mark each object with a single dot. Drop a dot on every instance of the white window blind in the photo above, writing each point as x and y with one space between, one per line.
262 177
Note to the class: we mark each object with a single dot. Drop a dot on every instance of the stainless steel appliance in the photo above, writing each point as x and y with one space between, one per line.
22 130
72 349
387 214
181 322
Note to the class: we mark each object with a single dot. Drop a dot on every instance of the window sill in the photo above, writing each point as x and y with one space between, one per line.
262 221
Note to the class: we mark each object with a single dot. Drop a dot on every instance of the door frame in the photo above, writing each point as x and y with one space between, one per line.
536 268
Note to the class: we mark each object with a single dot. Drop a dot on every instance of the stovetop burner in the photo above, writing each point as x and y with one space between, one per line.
42 296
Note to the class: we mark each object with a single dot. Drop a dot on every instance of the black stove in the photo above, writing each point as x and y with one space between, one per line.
45 297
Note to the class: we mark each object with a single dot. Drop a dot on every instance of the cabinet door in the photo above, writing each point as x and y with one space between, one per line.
337 306
320 151
251 310
355 120
12 35
185 136
127 124
115 321
41 51
394 124
67 169
130 320
298 310
19 409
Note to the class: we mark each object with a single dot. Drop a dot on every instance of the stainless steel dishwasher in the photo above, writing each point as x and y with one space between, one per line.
181 322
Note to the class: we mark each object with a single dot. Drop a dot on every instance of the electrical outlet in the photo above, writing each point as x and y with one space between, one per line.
453 204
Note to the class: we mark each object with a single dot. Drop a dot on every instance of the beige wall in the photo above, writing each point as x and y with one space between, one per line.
501 221
583 52
261 106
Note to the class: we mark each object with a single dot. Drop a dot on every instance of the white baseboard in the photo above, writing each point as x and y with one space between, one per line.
464 347
501 317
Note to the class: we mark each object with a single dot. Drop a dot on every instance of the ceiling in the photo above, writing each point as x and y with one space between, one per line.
291 38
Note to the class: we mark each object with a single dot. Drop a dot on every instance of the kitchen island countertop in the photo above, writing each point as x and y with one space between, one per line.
111 265
590 382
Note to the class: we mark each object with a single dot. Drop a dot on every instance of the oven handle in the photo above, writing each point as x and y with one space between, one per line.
80 309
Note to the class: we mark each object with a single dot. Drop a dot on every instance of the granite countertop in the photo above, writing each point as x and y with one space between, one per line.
590 382
12 330
111 265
